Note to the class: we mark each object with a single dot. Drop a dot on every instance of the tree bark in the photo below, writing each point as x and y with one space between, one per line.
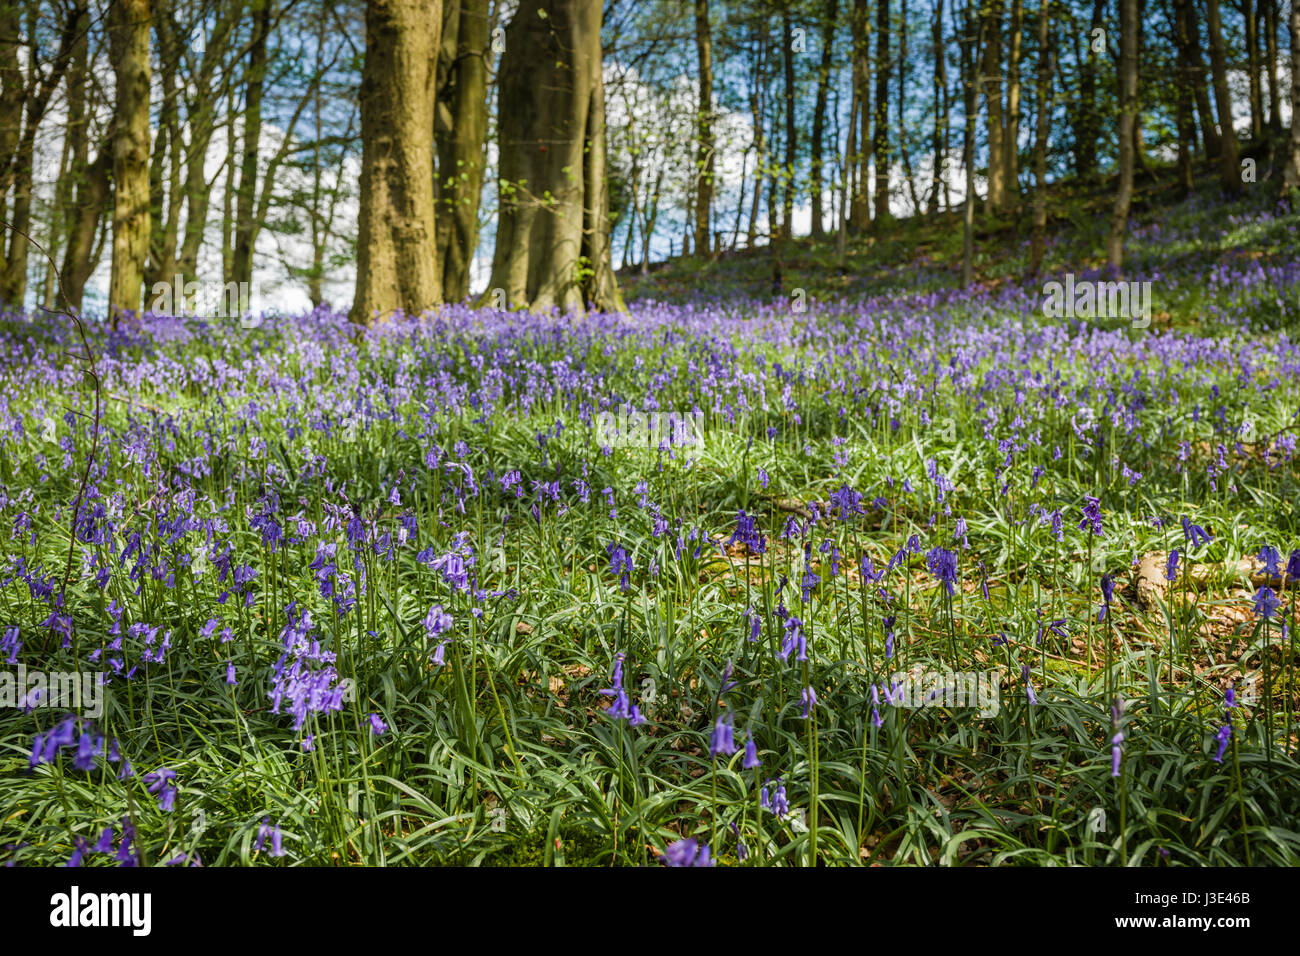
461 149
1252 67
167 159
1291 178
11 85
830 16
396 267
1011 141
1042 128
40 86
859 208
939 145
992 84
1270 56
552 242
246 194
791 134
1185 86
128 34
903 152
972 39
704 164
1127 118
1229 173
201 111
880 139
1200 88
760 146
1087 126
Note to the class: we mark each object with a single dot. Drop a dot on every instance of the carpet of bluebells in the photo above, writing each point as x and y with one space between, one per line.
393 596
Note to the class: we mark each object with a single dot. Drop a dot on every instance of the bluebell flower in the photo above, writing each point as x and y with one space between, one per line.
1266 603
809 699
723 741
1091 521
686 852
162 783
1194 535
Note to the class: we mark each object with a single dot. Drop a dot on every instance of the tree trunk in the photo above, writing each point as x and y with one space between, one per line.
1185 86
1291 178
167 159
791 136
246 195
1127 116
461 155
201 111
11 84
1042 128
1200 88
396 267
830 16
903 153
880 140
552 242
1229 173
971 41
18 167
128 35
939 145
992 83
1087 126
760 146
859 208
1252 66
1270 56
704 127
1011 141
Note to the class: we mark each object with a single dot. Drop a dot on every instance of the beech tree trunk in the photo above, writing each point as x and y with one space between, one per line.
859 208
1229 171
1185 85
704 164
1270 56
462 138
939 145
167 160
992 83
128 38
1291 178
760 145
246 196
880 140
1127 120
830 16
1042 128
552 243
1252 67
1011 140
970 45
791 134
1200 87
396 266
1087 126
